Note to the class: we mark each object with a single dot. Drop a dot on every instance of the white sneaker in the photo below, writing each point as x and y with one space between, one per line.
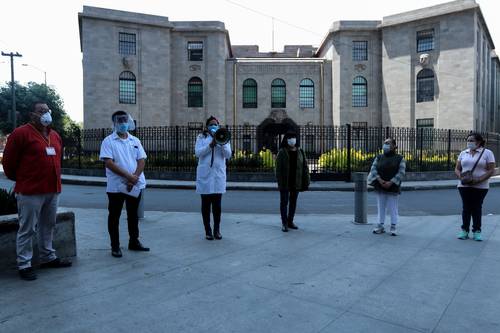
379 229
393 230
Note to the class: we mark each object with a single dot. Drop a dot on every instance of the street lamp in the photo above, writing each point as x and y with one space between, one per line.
39 69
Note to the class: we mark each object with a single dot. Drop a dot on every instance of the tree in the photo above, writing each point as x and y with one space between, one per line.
25 96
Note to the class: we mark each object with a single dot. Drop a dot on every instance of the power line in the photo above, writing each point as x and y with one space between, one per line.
322 35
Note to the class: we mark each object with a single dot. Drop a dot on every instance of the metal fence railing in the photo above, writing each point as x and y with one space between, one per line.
333 152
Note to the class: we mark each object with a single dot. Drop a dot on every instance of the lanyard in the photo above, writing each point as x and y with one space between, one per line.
47 141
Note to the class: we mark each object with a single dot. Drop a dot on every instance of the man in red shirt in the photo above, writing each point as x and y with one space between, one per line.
32 158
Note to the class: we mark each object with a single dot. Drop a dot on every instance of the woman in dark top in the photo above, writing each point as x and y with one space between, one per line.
386 174
292 174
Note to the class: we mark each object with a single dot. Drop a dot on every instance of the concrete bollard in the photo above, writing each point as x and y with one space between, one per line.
140 209
360 198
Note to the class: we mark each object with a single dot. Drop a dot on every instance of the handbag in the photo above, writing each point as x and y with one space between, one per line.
466 176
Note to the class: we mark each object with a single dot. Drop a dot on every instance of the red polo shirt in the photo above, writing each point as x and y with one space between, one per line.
27 162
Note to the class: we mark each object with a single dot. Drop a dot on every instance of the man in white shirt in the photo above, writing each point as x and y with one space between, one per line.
124 159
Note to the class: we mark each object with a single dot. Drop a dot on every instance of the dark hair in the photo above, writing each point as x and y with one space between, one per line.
210 119
393 141
478 137
289 134
118 113
35 103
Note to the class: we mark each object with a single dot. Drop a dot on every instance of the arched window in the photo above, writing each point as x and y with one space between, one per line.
278 94
359 92
195 93
425 85
306 94
249 93
127 88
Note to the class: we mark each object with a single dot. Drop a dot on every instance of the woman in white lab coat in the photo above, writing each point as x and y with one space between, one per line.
211 176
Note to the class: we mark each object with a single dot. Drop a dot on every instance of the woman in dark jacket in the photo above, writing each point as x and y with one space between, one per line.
292 174
386 174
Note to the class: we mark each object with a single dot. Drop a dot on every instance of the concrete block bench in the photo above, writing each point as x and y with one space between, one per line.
64 238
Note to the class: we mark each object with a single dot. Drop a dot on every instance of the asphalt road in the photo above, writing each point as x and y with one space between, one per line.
414 203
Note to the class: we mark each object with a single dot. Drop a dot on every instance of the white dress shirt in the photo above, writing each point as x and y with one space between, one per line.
125 153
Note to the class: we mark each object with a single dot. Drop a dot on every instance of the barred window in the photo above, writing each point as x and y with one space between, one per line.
278 94
425 123
127 88
359 92
249 93
425 40
306 94
360 50
126 44
425 85
195 51
195 93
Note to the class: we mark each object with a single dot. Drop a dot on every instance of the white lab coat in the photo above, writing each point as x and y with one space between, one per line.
211 179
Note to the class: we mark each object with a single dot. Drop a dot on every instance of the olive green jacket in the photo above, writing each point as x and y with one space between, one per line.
282 170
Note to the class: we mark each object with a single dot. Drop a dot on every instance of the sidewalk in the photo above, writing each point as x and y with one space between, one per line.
329 276
271 186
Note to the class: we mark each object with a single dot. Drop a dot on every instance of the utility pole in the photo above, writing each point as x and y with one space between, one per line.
12 115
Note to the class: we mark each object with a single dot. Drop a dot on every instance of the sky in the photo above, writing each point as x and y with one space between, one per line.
46 32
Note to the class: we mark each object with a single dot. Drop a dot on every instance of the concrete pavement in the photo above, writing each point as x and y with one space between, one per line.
329 276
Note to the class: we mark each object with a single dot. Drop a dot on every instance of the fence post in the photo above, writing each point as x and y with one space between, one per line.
421 144
177 148
449 149
349 166
79 148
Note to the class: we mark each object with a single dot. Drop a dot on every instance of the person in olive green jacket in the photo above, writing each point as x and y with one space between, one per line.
292 174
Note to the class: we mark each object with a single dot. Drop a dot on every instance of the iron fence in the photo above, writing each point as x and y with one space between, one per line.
333 152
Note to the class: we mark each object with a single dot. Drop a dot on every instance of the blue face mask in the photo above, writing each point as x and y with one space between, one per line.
122 127
213 128
386 148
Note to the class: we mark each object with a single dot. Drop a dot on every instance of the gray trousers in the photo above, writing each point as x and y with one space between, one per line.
36 213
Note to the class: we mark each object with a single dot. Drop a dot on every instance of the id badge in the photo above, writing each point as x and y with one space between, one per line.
51 151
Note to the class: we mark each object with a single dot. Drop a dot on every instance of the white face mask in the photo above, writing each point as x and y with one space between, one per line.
471 145
46 119
291 142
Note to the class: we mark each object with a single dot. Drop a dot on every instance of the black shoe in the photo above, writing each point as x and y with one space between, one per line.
291 225
27 274
137 246
284 228
217 235
117 253
209 236
57 263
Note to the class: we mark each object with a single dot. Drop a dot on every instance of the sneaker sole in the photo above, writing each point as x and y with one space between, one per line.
379 233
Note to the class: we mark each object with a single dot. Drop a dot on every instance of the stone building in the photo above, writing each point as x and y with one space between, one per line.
432 67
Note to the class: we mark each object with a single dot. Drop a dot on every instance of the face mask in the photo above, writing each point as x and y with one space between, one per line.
471 145
213 128
122 127
291 142
386 148
46 119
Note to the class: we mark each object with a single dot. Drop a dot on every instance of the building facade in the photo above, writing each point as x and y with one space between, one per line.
432 67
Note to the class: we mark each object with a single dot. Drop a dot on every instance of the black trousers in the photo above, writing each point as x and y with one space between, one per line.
472 203
211 202
115 206
288 213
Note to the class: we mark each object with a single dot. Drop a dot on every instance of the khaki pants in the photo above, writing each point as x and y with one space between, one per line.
36 213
